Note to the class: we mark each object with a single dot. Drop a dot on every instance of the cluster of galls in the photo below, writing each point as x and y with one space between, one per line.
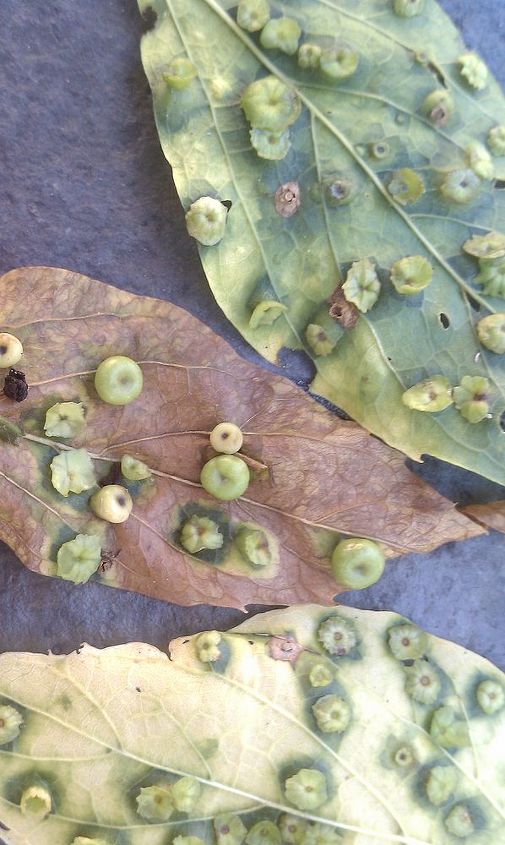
471 397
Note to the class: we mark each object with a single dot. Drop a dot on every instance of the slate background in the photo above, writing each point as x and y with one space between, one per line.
84 185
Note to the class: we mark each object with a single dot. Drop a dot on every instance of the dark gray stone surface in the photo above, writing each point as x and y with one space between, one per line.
85 186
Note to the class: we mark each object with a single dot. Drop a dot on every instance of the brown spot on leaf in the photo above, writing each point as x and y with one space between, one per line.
287 199
284 648
341 310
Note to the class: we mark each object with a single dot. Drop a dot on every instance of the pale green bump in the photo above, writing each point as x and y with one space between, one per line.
471 398
438 107
309 56
408 8
65 419
496 140
423 682
199 533
321 834
407 642
252 15
229 829
133 469
307 789
318 340
440 784
448 730
185 794
459 821
431 395
479 160
270 104
473 69
332 714
320 675
179 73
293 829
254 546
460 186
72 472
36 801
411 275
491 332
379 150
490 696
339 62
266 312
492 277
78 559
264 833
273 146
207 646
362 285
406 186
487 246
281 34
337 636
403 756
10 723
206 220
155 804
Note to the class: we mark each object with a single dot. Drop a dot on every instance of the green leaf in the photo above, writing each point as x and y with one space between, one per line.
380 159
277 731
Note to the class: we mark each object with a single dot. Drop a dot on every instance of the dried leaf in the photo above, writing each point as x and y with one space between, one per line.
323 476
491 515
395 137
322 750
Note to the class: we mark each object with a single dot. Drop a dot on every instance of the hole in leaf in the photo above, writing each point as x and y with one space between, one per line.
444 319
185 641
474 304
499 184
227 204
251 642
502 421
3 826
437 73
149 18
138 689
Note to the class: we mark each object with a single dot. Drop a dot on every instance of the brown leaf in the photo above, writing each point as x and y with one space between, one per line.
491 515
325 475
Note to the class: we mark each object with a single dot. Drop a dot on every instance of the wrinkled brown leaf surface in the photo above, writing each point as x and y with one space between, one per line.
325 475
491 515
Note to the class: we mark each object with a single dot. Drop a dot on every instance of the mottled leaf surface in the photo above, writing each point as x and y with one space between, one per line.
99 726
299 260
314 475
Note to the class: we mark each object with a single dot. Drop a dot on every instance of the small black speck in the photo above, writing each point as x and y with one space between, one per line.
138 689
149 18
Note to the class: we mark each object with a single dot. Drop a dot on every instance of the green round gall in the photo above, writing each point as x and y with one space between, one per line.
487 246
320 676
72 471
254 546
226 437
332 714
406 187
199 533
36 801
407 642
65 419
154 803
118 380
270 104
459 821
134 470
460 186
307 789
337 635
490 696
318 340
281 34
309 56
206 220
266 313
362 285
431 395
293 829
438 107
479 160
408 8
492 277
273 146
11 350
229 829
264 832
252 15
10 723
496 140
422 682
473 70
185 794
207 646
179 73
411 275
112 503
379 150
225 477
491 332
78 559
448 729
339 62
471 398
440 784
357 563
